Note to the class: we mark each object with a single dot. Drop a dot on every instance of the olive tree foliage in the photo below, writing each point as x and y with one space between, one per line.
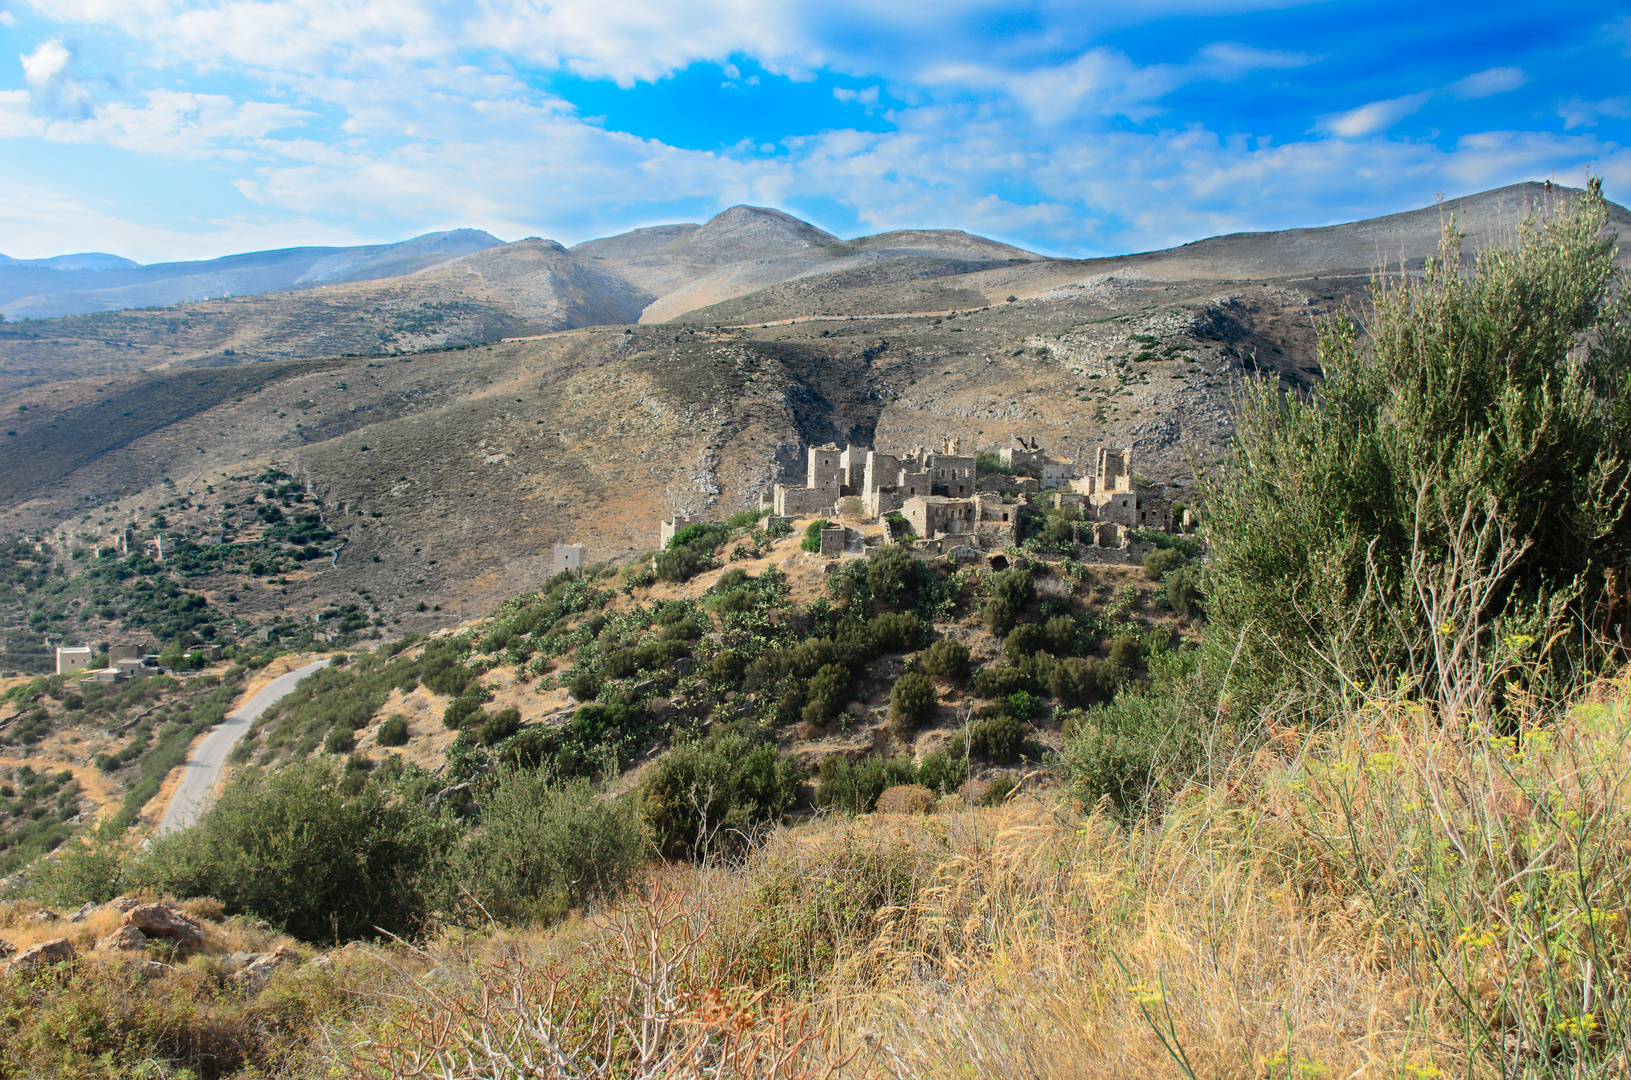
1491 401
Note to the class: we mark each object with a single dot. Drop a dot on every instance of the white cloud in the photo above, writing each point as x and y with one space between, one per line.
869 96
1578 113
53 90
1228 59
1496 80
7 19
1370 119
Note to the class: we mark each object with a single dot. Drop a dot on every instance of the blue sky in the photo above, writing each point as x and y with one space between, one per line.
171 129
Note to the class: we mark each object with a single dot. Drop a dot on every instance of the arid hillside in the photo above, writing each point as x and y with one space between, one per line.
747 264
449 476
452 425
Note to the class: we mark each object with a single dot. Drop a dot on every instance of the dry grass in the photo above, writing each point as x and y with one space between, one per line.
1385 899
221 935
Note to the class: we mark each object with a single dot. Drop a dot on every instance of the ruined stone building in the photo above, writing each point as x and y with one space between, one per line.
983 519
667 529
1027 458
568 557
1112 496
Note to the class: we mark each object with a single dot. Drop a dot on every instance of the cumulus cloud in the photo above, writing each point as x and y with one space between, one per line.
1370 119
405 115
53 89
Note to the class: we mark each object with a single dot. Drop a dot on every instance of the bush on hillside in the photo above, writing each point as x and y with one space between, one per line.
912 701
946 659
1001 680
996 738
1470 407
720 796
498 727
1024 640
1078 682
1162 561
1125 653
829 690
543 848
393 732
294 848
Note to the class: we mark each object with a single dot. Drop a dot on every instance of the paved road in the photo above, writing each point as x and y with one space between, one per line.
204 767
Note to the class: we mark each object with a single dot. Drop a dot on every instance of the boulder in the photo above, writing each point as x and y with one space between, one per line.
6 948
44 915
41 956
126 937
161 920
254 974
123 903
83 913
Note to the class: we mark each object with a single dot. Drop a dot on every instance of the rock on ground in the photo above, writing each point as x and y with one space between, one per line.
254 974
159 920
43 955
126 937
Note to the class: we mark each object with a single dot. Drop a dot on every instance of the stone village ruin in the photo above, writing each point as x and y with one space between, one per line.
940 497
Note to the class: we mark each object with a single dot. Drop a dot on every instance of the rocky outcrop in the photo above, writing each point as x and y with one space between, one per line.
160 920
44 955
124 903
126 937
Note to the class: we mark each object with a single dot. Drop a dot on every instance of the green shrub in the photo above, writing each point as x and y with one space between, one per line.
1001 680
466 705
543 848
1022 705
619 665
1077 682
895 631
682 563
828 691
596 722
394 732
1162 561
1062 632
294 848
947 659
727 668
671 613
583 686
1124 653
812 535
340 740
912 701
1024 640
498 727
941 773
1184 592
89 868
995 738
853 788
1001 787
999 615
1018 587
1469 402
720 796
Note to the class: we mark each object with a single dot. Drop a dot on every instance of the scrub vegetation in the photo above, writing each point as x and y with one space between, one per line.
1341 791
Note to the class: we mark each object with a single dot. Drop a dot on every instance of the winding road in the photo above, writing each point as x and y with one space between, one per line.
204 767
